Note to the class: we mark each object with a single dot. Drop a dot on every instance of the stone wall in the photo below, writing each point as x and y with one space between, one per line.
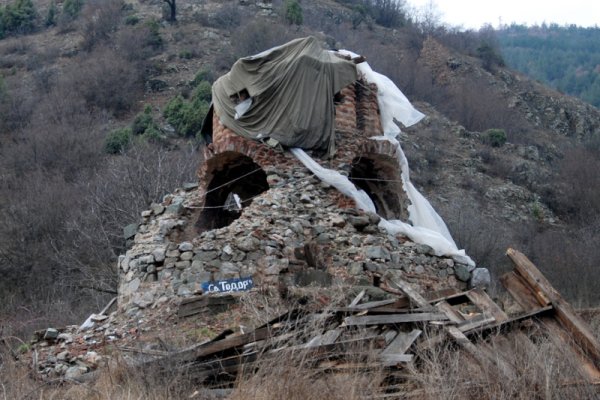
292 229
293 234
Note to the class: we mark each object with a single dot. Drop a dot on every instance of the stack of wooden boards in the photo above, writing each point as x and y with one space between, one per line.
389 334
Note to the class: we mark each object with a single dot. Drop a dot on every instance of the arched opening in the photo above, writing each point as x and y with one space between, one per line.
379 176
234 180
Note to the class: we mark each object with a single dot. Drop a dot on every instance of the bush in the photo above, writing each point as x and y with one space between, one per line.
495 137
71 9
142 121
186 54
293 12
17 18
100 19
132 20
51 15
154 39
117 141
186 117
490 56
203 92
203 74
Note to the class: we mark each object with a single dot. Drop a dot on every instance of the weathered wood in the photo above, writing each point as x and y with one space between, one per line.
517 288
481 299
373 304
198 304
538 284
389 360
328 337
450 312
406 288
442 294
565 313
393 318
108 306
402 342
476 322
358 298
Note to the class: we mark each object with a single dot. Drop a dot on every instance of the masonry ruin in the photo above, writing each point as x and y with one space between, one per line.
259 213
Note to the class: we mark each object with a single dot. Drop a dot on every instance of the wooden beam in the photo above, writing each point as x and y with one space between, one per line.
393 318
450 312
565 313
481 299
518 289
407 289
402 342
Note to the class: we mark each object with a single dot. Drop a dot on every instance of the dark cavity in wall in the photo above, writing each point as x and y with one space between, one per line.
379 176
234 181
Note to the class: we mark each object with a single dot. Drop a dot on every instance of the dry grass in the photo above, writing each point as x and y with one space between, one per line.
539 369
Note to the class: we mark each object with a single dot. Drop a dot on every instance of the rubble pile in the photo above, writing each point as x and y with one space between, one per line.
293 234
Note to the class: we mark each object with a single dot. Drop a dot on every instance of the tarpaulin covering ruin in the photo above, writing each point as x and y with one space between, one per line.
285 93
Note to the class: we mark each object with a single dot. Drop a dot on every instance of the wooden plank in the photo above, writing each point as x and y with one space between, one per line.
406 288
517 288
481 299
402 342
325 338
374 304
450 312
476 322
390 360
442 294
538 284
393 318
198 304
228 343
358 298
565 313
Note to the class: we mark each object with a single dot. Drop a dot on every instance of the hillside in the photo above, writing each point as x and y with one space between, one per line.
565 58
99 119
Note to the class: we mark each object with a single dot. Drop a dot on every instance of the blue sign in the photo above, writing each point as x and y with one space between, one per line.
228 285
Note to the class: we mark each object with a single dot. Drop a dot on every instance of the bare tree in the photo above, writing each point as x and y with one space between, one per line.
173 10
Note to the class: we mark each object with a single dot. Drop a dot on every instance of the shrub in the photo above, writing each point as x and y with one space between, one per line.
107 81
154 39
51 15
203 92
293 12
490 56
117 141
71 8
495 137
142 121
100 19
132 20
186 54
186 117
203 74
17 18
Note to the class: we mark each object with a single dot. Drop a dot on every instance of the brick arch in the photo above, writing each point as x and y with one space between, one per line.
224 174
379 175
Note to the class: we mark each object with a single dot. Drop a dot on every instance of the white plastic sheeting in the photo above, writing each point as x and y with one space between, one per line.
427 226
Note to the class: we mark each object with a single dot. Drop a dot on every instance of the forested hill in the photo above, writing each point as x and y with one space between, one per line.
565 57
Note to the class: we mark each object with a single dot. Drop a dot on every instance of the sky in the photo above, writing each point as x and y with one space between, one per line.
473 14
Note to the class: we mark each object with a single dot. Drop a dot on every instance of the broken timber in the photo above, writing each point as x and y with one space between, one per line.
388 334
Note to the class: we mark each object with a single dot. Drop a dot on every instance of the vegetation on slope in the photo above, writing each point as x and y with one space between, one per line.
69 183
564 57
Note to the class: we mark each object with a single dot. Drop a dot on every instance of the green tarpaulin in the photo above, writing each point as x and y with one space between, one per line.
291 88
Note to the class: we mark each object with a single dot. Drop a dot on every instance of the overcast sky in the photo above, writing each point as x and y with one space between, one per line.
475 13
